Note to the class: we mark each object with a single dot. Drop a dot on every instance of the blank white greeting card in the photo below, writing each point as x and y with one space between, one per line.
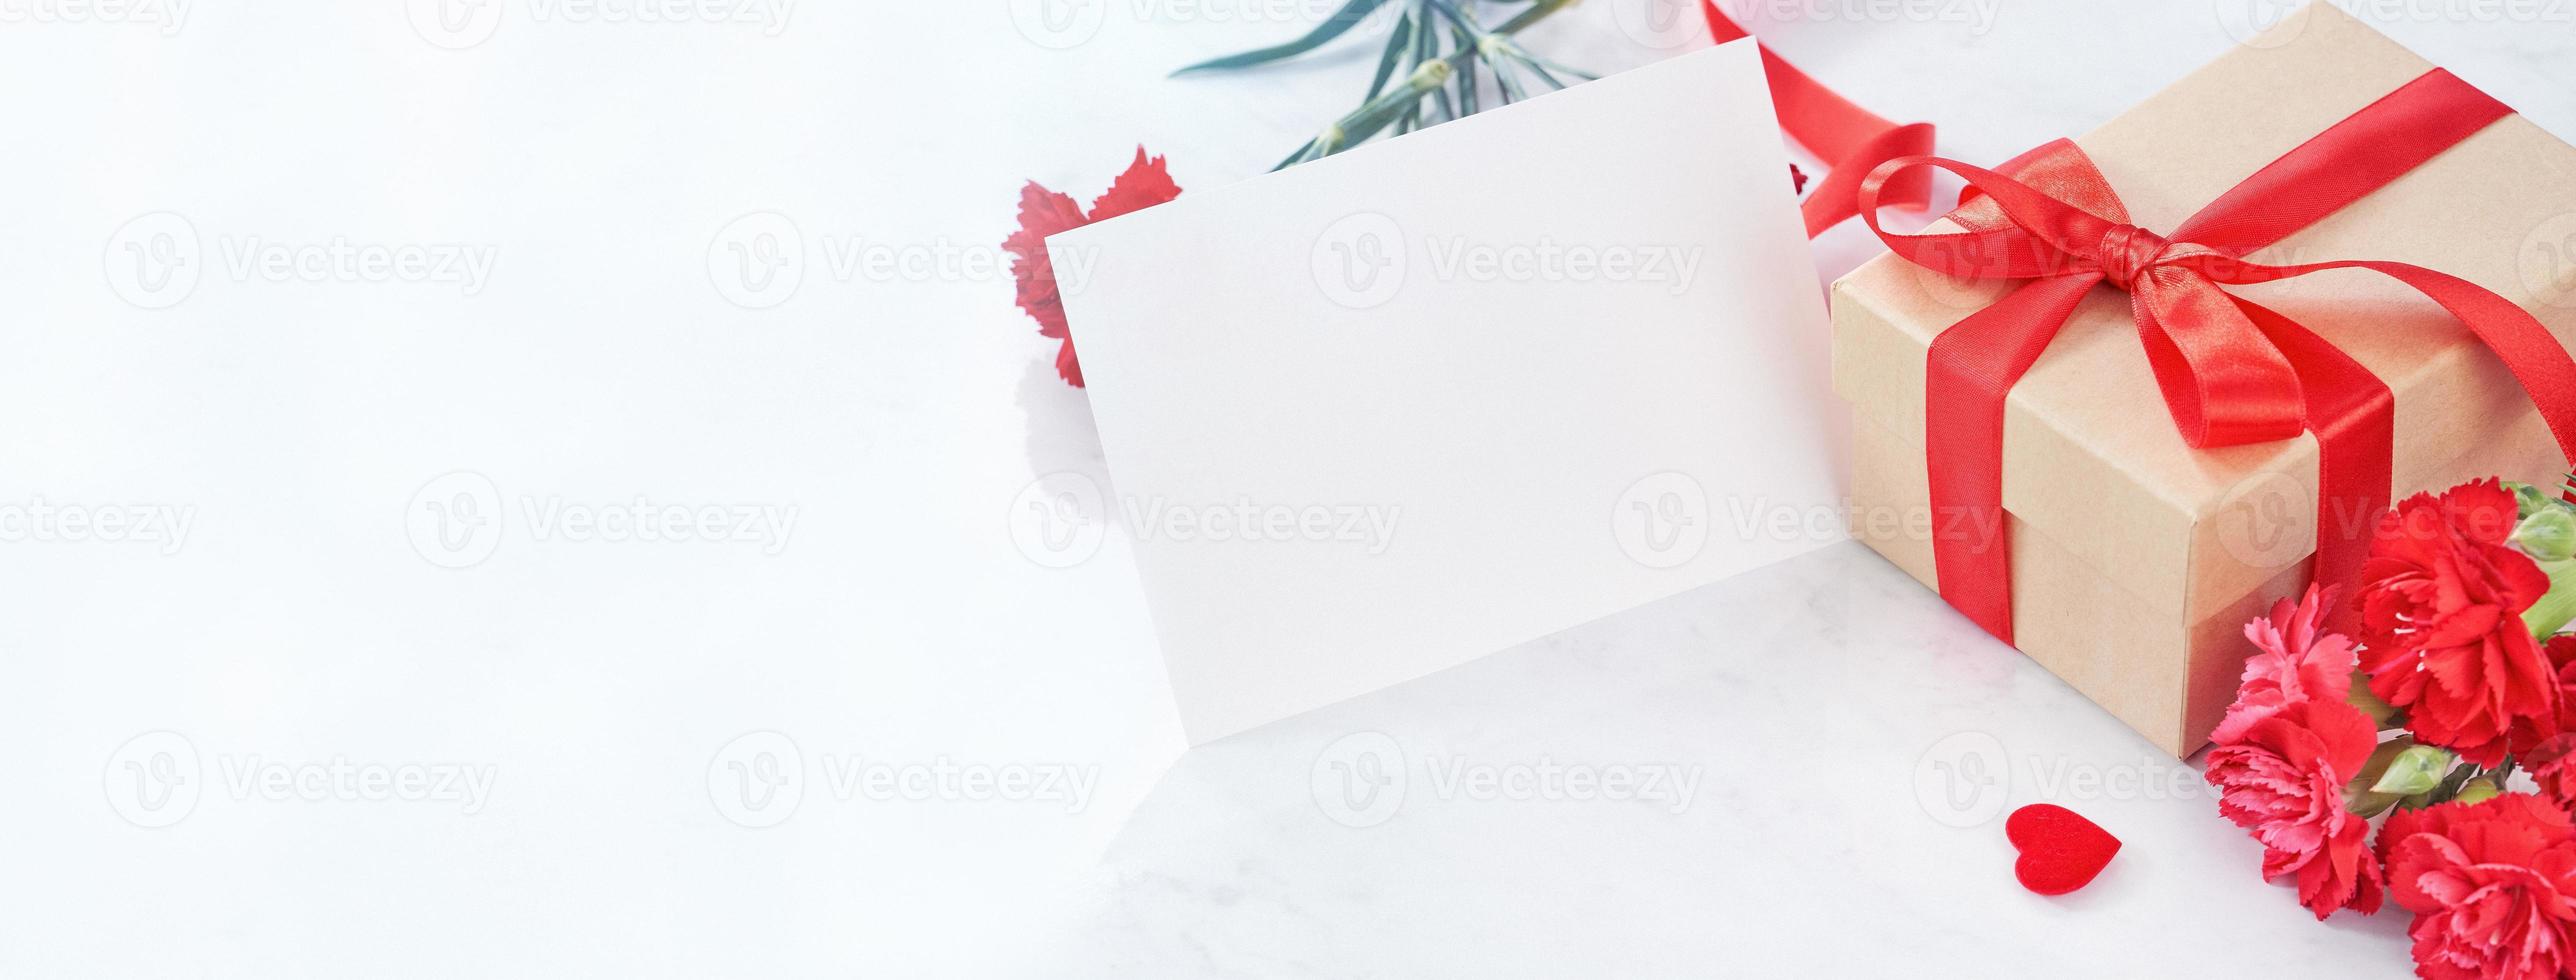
1386 412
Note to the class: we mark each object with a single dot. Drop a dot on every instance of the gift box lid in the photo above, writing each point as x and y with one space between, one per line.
2092 457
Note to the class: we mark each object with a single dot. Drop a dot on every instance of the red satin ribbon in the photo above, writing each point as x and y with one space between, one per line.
2231 371
1851 140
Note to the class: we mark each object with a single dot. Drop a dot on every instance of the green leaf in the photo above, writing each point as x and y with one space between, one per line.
1428 49
1531 16
1541 71
1416 46
1456 16
2416 770
2478 791
1395 47
1332 27
2549 534
1503 80
1467 83
2370 703
2527 499
1561 69
1297 157
2557 608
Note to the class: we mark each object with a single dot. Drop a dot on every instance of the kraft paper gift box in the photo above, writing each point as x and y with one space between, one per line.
2136 560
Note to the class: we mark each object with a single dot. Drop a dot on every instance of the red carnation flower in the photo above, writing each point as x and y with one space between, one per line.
2552 764
2529 736
2492 886
2442 601
2294 661
2283 779
1044 212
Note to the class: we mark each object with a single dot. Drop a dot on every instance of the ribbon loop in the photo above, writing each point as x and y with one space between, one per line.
1849 139
2224 381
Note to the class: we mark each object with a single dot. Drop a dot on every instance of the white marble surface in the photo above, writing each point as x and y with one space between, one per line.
1817 758
605 687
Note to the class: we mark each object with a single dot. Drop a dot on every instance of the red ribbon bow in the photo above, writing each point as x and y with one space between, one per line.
2231 371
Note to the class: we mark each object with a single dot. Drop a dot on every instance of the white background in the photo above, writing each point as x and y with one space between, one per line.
300 423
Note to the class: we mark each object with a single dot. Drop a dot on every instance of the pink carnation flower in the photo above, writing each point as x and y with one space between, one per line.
2293 662
2283 779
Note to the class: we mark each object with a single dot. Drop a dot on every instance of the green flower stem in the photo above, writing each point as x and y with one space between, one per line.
1365 121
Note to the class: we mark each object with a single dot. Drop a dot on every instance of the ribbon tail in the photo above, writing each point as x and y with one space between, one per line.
2544 369
1970 369
2354 417
1851 140
2350 161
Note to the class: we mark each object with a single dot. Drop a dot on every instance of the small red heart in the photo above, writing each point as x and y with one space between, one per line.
2060 850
